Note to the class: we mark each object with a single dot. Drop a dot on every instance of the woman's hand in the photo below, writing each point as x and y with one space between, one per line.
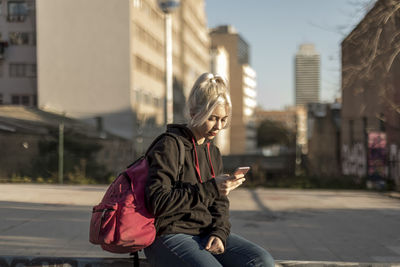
226 183
215 245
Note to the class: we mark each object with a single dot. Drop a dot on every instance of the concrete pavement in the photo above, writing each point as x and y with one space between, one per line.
310 227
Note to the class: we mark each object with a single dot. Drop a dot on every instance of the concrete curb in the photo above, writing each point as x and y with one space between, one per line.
21 261
334 264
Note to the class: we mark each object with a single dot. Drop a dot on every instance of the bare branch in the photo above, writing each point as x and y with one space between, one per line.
392 58
395 8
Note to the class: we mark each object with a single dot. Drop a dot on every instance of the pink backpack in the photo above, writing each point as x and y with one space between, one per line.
121 222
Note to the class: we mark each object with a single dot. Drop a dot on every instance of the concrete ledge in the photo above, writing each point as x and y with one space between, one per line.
21 261
334 264
393 194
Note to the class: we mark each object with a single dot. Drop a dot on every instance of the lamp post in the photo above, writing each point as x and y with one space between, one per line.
168 6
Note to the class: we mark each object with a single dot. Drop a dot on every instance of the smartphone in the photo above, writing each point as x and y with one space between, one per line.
241 170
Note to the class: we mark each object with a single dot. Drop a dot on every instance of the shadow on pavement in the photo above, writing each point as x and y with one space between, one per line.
342 235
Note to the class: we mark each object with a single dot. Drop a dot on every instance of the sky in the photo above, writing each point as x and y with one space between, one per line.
274 29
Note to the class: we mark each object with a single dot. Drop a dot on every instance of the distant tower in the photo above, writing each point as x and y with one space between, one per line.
307 70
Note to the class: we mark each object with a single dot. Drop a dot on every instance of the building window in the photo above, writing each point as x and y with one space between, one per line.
147 98
22 70
32 70
19 38
21 100
1 69
243 51
149 69
156 102
151 41
15 100
138 96
1 7
25 100
3 45
1 96
17 69
137 3
17 11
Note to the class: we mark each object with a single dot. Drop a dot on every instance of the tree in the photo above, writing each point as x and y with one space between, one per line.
274 132
375 49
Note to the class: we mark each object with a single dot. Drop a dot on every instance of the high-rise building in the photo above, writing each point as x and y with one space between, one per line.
105 59
242 83
18 84
307 75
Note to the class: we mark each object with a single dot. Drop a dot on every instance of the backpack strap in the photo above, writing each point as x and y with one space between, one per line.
181 147
135 258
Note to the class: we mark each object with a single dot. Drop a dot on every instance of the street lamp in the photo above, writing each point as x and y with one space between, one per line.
168 6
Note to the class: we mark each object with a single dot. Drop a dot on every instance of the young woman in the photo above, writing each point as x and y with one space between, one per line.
191 207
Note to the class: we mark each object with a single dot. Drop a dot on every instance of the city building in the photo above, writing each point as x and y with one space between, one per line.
104 61
307 75
323 127
242 80
370 132
220 66
18 82
29 138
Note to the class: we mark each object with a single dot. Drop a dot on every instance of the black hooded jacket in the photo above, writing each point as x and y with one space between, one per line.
183 203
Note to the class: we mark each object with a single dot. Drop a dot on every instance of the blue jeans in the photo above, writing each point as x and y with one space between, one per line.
187 250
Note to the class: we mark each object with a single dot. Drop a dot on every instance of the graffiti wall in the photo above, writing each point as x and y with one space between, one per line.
377 156
354 160
383 159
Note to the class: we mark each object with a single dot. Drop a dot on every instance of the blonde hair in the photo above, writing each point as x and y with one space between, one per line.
207 93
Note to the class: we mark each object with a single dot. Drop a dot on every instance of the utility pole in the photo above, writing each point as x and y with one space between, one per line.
168 6
61 153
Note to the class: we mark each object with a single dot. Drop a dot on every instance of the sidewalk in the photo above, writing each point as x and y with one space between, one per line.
298 227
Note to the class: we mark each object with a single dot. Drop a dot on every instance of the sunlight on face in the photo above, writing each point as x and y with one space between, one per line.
211 127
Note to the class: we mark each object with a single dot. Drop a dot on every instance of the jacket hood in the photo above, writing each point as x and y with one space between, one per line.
182 130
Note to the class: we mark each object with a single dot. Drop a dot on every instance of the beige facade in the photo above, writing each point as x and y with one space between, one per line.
17 53
242 87
108 61
220 66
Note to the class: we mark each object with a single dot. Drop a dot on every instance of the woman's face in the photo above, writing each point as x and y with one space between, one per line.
211 127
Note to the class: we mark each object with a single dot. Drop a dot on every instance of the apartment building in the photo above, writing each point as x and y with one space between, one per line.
242 80
18 82
103 61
